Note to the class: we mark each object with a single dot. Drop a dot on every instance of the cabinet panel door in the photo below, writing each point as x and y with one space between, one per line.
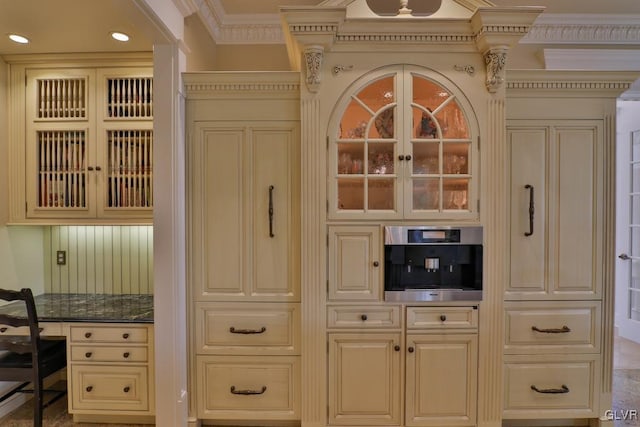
273 164
223 189
576 229
441 380
528 165
354 263
364 379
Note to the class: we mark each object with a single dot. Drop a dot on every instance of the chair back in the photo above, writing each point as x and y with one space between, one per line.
21 344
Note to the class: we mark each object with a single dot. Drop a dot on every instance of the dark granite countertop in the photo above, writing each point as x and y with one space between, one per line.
88 308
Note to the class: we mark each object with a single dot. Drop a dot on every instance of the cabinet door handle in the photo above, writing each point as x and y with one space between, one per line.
410 349
126 389
87 354
376 263
271 188
89 388
562 390
87 335
248 392
531 210
562 330
624 257
98 168
408 157
247 331
89 168
401 157
396 347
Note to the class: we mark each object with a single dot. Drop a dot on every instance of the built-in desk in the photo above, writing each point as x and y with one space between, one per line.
110 363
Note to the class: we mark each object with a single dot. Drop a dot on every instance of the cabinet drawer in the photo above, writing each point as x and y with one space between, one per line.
248 328
109 388
551 386
248 387
109 354
552 327
52 329
363 316
442 317
98 333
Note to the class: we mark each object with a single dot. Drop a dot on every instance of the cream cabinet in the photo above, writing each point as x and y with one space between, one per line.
355 263
111 371
243 145
244 187
403 146
88 144
364 378
553 315
556 210
418 372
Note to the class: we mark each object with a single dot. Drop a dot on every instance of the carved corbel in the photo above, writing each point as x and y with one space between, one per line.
313 56
495 60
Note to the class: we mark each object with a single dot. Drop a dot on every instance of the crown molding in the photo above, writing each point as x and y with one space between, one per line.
592 59
584 29
547 29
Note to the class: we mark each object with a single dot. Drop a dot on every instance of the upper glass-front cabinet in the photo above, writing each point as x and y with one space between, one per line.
404 147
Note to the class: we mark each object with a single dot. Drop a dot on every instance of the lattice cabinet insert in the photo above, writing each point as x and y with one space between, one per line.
89 145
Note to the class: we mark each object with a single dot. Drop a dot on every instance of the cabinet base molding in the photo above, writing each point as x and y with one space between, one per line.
114 419
550 423
253 423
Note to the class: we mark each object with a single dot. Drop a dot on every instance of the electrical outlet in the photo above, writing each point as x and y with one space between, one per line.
61 257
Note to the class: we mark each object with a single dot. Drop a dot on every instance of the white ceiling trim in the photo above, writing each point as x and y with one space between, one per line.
592 59
548 29
584 29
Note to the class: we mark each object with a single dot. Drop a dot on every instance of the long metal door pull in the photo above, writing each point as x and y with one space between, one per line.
248 392
531 210
271 188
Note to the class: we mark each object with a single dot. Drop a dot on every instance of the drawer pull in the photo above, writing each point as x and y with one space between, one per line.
89 388
87 354
125 336
562 330
126 389
248 392
126 355
247 331
3 329
443 318
562 390
87 335
363 317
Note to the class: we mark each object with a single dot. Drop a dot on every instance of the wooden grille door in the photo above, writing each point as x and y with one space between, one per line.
60 169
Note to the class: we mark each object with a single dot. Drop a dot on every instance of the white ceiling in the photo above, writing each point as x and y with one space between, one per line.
84 25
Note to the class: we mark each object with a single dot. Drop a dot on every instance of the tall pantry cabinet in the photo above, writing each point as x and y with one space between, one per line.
559 293
244 249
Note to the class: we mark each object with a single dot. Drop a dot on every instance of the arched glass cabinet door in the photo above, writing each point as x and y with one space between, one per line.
403 146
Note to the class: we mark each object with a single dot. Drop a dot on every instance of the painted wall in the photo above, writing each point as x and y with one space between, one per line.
21 248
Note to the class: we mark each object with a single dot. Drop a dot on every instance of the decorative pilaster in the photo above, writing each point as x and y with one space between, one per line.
313 56
313 264
495 60
496 235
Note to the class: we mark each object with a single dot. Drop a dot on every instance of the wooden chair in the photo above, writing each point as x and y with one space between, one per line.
27 358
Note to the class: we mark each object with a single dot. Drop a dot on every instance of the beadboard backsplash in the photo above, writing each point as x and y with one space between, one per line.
99 259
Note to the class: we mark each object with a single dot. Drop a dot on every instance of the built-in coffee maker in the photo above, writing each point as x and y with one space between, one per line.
428 263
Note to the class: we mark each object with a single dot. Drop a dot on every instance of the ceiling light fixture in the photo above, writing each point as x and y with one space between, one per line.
18 38
121 37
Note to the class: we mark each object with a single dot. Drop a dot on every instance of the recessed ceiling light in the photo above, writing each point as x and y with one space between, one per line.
121 37
19 39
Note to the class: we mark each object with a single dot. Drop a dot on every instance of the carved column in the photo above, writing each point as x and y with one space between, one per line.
495 59
313 56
